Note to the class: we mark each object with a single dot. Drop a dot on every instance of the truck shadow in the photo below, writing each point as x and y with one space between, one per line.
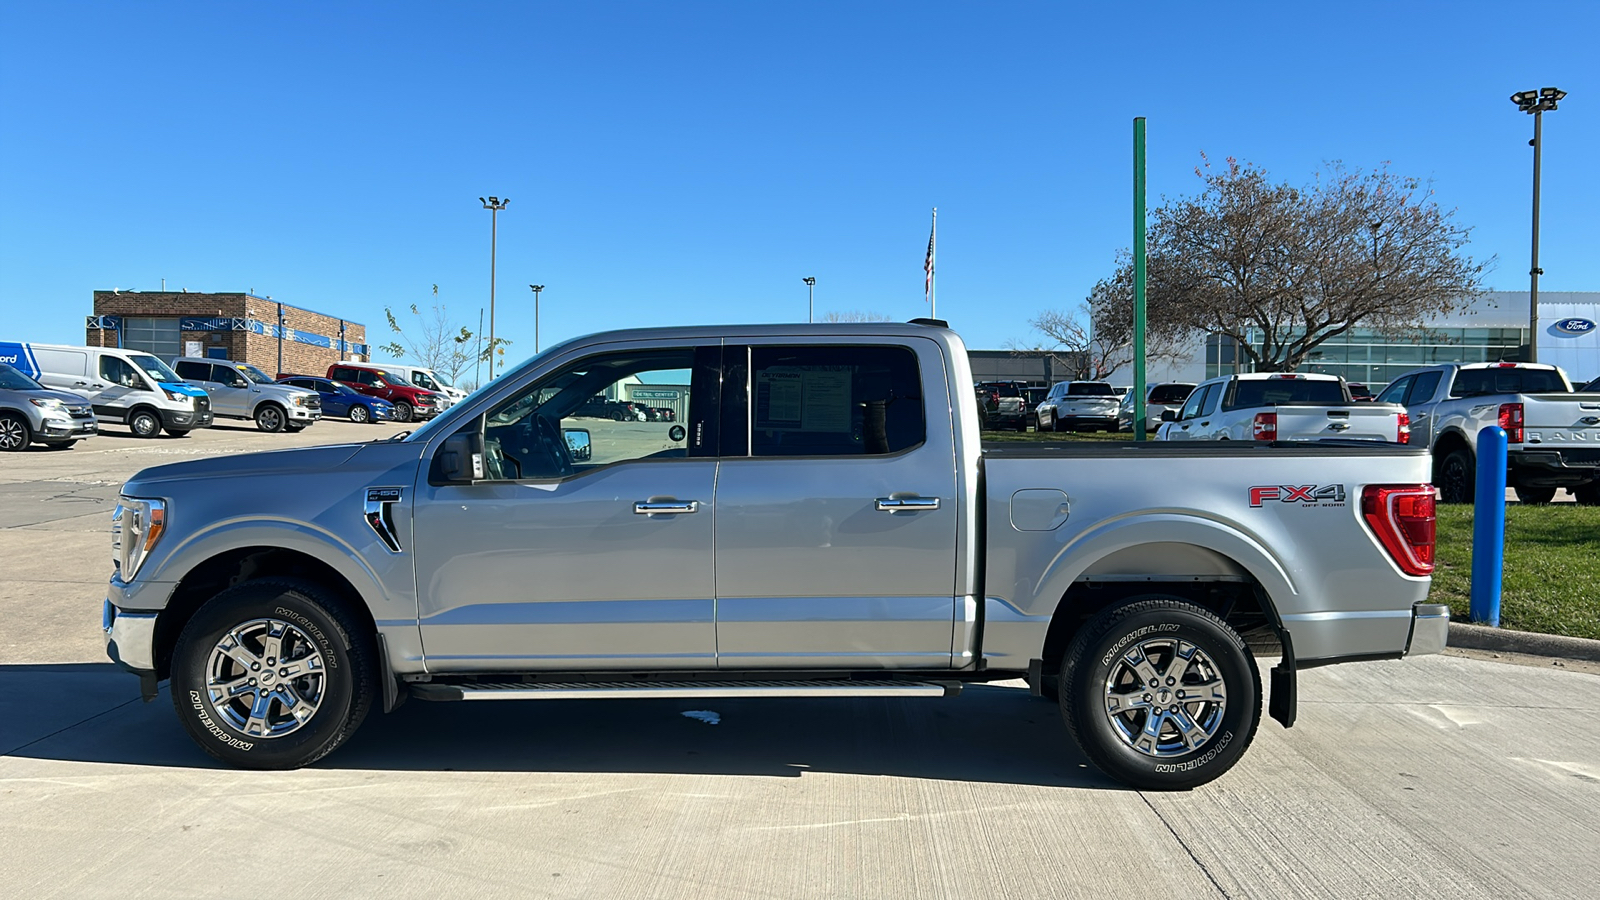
91 713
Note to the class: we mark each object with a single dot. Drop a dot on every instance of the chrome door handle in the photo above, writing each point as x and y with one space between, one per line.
904 504
666 507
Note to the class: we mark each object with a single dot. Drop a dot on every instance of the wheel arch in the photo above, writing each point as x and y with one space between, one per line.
1449 441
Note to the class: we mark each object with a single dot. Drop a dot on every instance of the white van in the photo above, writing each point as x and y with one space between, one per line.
126 386
427 379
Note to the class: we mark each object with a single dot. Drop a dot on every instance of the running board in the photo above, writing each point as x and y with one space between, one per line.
668 690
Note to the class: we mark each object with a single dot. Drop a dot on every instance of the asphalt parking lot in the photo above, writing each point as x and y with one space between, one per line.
1438 777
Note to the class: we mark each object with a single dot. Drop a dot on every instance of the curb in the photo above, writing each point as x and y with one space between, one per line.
1483 637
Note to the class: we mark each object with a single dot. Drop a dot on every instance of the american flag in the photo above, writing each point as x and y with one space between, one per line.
927 264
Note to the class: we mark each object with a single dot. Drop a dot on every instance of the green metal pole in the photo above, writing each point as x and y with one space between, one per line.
1139 406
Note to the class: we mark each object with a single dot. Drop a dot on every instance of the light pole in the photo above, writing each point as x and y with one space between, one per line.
811 295
536 288
493 205
1535 103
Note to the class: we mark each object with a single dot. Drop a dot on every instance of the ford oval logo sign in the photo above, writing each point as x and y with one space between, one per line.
1574 326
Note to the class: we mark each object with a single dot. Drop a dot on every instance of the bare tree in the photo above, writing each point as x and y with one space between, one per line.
852 315
434 341
1076 346
1281 269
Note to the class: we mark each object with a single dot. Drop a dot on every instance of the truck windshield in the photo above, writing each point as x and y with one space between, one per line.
1090 389
155 368
254 374
433 381
1471 382
1270 391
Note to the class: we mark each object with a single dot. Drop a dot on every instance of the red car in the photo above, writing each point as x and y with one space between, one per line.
409 402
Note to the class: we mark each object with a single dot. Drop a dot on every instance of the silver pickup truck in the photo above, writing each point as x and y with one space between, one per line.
1552 434
821 521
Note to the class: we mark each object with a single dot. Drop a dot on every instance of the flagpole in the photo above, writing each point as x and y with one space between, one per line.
929 268
933 276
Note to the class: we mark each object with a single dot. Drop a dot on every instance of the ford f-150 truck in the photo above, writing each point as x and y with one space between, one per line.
822 522
1282 406
1552 434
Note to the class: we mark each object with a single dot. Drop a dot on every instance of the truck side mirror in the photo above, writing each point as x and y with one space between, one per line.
461 458
1169 415
579 443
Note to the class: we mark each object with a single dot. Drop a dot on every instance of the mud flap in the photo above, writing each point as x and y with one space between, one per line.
1283 702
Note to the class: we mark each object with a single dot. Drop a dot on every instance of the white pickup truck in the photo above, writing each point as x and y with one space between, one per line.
1552 434
1282 406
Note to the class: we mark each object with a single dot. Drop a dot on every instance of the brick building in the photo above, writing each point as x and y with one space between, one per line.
235 326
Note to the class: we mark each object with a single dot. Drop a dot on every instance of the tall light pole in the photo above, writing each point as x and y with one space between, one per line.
493 205
1535 103
811 296
536 288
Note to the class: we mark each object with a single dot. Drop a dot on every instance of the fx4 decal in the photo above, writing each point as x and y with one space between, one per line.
1287 493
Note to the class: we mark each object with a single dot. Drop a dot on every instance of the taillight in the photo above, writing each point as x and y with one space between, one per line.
1402 518
1265 427
1511 421
1403 435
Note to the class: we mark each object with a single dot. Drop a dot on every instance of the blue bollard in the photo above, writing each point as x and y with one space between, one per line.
1489 527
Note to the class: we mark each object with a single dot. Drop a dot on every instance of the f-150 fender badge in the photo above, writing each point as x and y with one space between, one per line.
377 511
1308 494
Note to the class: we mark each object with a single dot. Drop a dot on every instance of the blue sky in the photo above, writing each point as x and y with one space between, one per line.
672 163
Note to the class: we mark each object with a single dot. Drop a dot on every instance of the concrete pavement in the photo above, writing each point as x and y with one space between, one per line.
1435 777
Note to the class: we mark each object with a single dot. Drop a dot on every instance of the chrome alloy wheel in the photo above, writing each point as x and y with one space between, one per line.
265 677
1165 697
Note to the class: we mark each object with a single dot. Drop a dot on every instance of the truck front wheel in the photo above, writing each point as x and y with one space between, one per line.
1458 476
1160 694
272 674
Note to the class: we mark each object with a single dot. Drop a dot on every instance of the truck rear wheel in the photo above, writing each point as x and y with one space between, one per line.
1160 694
1587 495
1458 476
272 674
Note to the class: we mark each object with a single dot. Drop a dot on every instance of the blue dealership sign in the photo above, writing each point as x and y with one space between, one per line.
1574 326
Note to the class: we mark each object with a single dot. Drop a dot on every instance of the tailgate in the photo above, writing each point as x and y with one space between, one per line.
1569 422
1357 422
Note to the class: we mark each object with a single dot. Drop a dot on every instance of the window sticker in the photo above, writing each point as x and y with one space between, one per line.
803 398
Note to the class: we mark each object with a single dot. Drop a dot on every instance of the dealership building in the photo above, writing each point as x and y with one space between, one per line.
273 336
1493 328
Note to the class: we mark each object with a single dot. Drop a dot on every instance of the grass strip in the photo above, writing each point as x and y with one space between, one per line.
1552 567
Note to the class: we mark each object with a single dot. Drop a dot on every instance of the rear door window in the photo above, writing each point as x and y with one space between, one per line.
195 370
834 401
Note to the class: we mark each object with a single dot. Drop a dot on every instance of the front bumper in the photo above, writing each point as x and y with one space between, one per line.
130 638
302 414
66 429
185 420
1430 629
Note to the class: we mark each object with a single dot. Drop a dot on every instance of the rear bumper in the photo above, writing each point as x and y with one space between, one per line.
1560 467
1430 629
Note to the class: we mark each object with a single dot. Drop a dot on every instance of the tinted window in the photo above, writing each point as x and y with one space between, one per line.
1506 381
1090 389
1270 391
197 371
1170 394
344 374
1212 398
1396 393
834 401
1422 390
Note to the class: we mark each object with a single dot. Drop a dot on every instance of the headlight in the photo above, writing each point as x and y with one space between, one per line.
136 526
48 403
299 400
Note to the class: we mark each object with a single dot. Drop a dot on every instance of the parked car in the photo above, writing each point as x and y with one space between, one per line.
127 386
1074 405
836 531
242 391
1004 406
339 400
1360 393
410 402
30 413
1552 433
426 379
1158 399
1282 406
